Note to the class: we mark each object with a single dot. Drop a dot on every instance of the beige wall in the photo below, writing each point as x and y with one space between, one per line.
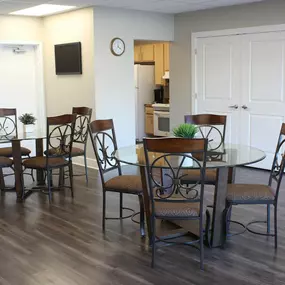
66 91
14 28
259 14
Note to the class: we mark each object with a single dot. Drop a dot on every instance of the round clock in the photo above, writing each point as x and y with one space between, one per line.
117 46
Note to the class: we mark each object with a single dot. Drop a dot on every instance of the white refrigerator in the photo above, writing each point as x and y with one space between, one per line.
144 94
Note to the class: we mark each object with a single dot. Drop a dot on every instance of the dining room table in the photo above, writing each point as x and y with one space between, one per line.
38 135
224 158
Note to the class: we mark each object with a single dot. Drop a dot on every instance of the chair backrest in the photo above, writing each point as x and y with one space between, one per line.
175 155
211 127
60 133
277 169
83 118
8 122
103 137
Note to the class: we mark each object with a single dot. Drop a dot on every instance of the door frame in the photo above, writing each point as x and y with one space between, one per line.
41 104
219 33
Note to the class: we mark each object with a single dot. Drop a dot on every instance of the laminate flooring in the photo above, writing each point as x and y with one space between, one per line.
63 243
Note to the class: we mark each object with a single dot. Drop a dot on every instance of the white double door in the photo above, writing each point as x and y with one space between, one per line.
242 76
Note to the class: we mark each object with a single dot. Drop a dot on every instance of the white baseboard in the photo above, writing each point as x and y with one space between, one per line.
91 163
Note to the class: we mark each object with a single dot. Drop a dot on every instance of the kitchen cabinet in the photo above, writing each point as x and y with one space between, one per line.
137 51
159 64
147 52
166 55
149 130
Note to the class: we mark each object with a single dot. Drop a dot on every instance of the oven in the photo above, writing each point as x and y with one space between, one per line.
161 123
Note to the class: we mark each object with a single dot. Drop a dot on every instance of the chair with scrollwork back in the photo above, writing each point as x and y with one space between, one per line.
172 199
213 128
258 194
83 118
9 129
60 130
103 137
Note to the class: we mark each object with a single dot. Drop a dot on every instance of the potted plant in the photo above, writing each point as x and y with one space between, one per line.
185 131
28 121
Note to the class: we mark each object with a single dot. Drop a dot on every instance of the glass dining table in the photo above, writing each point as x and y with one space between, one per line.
38 136
224 158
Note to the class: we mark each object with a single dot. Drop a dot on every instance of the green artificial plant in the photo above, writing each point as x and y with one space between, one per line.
27 119
185 131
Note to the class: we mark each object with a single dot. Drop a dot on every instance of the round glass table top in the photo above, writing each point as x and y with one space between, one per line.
227 155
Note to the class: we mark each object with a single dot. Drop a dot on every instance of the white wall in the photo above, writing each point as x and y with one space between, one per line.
256 14
66 91
114 76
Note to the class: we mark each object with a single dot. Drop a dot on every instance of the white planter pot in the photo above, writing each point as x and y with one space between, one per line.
28 128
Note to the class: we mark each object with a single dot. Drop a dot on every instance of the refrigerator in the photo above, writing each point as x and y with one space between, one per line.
144 94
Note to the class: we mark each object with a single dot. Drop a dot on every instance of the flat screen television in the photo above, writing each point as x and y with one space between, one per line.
68 58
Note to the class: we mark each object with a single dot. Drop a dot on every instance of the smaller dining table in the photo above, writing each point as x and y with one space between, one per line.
38 135
225 158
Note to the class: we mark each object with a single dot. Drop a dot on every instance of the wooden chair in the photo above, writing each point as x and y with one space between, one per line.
258 194
83 118
213 128
173 200
104 143
60 132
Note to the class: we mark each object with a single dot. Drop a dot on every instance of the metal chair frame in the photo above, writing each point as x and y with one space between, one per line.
101 131
276 175
176 191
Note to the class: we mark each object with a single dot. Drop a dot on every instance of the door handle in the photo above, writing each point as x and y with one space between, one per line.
244 107
234 106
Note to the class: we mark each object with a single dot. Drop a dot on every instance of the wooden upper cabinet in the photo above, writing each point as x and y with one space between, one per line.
137 51
147 52
159 63
166 56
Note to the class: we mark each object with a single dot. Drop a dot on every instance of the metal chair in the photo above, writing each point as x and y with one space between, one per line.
257 194
8 129
213 128
172 199
60 132
104 143
4 162
83 118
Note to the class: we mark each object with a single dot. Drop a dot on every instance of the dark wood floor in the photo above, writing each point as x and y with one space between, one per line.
63 244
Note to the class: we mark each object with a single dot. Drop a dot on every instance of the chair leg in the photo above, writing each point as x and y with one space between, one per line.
268 219
142 227
104 211
70 168
86 168
226 223
153 233
201 243
49 174
121 205
275 225
32 175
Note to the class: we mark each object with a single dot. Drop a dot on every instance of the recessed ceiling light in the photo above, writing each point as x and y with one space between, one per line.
43 10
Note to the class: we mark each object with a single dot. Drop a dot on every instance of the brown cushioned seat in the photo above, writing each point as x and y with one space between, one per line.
245 193
5 161
76 151
125 183
40 162
177 210
194 175
7 151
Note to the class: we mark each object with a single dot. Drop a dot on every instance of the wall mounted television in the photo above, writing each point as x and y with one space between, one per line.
68 58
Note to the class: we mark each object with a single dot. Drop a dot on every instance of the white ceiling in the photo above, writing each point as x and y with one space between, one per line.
163 6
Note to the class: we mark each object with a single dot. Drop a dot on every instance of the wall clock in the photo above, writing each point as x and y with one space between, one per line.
117 46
